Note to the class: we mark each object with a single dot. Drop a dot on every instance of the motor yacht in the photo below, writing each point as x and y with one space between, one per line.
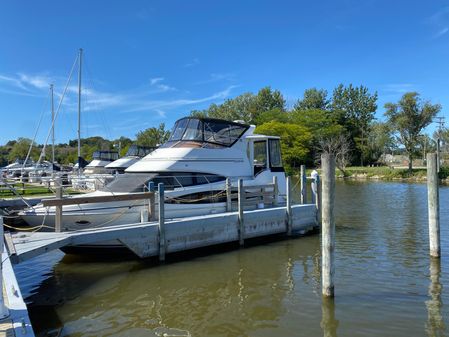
193 166
132 156
95 174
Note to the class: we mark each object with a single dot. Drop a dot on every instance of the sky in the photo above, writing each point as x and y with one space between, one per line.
151 62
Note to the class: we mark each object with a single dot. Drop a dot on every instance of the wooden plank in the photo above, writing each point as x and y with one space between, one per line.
97 199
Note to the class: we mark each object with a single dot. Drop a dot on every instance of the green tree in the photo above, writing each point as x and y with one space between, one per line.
354 108
313 99
246 107
153 136
269 100
272 115
380 141
409 117
20 149
295 142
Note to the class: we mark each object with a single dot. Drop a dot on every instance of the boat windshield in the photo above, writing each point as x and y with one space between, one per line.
139 151
129 183
105 155
212 131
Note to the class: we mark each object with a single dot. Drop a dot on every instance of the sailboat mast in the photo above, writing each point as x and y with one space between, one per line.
52 125
79 103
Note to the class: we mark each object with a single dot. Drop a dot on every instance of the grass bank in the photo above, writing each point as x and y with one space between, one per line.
388 173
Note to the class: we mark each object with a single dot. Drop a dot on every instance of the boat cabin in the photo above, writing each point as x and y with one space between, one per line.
265 153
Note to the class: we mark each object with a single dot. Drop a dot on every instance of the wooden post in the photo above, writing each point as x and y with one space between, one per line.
316 195
328 224
3 309
151 203
289 206
228 195
275 191
160 187
438 154
58 208
303 179
241 197
433 204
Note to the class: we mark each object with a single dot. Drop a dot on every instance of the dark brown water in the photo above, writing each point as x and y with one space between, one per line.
386 285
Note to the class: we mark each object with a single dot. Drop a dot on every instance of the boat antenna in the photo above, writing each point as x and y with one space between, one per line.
80 58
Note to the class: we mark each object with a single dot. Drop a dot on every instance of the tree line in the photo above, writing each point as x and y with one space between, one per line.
67 153
342 122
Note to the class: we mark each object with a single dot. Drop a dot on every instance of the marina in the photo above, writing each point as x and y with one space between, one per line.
224 169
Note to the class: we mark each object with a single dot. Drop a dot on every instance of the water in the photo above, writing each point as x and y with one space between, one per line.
385 284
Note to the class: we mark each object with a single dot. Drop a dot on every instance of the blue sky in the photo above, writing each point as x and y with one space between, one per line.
149 62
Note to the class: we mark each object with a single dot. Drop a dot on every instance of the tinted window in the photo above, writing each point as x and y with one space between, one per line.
275 153
260 156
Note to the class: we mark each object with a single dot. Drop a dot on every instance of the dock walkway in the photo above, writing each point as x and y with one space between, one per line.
180 234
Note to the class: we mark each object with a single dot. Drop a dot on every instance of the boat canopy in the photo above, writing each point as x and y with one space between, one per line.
139 151
205 131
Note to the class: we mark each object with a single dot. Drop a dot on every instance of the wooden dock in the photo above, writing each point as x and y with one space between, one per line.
181 234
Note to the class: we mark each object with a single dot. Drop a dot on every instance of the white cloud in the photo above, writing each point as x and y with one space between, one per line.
155 80
36 81
441 32
216 77
193 63
439 22
398 88
140 99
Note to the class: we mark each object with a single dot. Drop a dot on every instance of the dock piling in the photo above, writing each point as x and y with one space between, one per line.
58 208
241 197
328 224
303 180
316 195
275 191
161 222
228 195
3 309
151 203
289 205
433 204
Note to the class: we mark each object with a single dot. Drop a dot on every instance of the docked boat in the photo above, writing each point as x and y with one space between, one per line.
95 174
132 156
193 166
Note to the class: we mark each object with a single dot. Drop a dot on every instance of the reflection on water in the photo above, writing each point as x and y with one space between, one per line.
382 282
328 322
435 324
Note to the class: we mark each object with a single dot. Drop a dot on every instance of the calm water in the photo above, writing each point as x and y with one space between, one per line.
386 285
